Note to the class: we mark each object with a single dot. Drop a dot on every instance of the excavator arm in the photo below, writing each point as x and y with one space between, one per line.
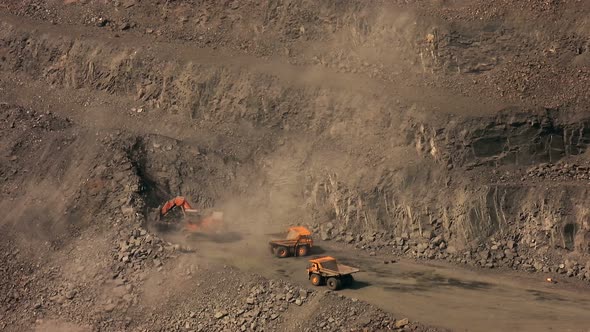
176 202
205 224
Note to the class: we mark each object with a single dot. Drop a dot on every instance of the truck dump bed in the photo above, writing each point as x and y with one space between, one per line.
284 242
332 267
345 269
296 235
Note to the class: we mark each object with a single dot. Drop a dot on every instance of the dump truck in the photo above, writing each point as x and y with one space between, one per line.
298 242
326 270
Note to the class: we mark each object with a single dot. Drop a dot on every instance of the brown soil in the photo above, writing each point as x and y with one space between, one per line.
448 136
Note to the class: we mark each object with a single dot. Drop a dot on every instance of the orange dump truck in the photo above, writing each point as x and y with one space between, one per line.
327 270
298 242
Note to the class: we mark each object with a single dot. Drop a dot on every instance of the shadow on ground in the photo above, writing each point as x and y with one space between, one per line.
225 237
176 228
359 284
426 281
317 250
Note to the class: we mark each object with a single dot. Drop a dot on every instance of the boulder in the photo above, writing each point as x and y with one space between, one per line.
402 323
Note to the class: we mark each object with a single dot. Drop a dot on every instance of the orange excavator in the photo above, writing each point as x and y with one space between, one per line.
178 201
212 223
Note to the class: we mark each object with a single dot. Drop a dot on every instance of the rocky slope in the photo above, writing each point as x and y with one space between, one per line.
430 129
101 270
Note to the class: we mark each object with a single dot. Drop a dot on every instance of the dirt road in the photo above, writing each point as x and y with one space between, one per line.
438 294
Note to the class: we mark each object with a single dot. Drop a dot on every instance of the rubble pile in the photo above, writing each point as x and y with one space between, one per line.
262 308
141 249
253 304
559 172
353 315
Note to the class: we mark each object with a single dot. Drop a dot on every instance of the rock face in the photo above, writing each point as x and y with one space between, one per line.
531 220
512 137
449 177
518 253
491 189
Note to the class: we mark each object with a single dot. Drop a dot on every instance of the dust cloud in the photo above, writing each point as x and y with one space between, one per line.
59 326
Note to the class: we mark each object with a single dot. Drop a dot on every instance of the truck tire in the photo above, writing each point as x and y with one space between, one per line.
282 252
316 279
334 284
302 250
347 280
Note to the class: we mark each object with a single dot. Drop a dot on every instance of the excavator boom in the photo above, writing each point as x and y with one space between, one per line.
177 201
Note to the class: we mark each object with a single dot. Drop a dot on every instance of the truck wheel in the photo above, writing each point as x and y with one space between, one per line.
302 251
334 284
316 279
282 252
